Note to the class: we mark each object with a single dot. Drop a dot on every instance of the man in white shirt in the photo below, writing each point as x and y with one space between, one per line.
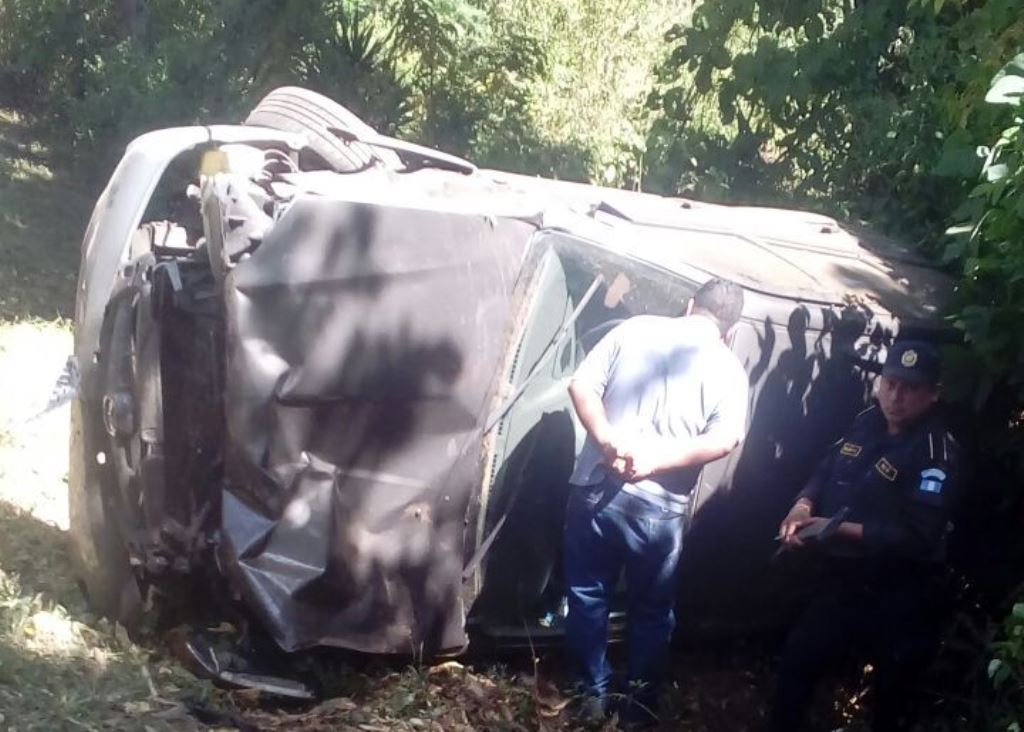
659 398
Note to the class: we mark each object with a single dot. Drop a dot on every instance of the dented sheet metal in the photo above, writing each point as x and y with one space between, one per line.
363 343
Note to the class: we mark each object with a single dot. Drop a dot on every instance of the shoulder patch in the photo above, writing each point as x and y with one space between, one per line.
886 469
850 450
932 480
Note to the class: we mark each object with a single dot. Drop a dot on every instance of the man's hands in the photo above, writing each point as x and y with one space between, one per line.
645 455
617 457
630 463
639 465
613 449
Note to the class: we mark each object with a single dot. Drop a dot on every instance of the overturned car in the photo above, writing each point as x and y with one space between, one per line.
323 378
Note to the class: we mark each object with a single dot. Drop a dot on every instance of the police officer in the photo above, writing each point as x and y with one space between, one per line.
893 477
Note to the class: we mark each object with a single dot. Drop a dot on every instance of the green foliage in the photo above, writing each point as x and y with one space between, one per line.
1006 671
599 70
531 85
867 109
989 251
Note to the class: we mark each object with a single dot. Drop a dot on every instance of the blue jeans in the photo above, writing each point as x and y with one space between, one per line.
606 531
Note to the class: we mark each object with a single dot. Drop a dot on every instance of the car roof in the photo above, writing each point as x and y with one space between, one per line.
791 254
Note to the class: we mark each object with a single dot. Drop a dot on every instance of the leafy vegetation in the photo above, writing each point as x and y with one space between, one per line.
1007 672
989 249
868 109
532 86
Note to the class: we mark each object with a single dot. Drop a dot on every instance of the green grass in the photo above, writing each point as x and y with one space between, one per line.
61 667
43 214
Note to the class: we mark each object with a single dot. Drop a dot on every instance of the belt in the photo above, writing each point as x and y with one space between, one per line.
662 499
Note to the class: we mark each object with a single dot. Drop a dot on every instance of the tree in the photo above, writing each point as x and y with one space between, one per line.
863 108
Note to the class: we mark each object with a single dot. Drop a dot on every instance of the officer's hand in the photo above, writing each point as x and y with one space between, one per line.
816 524
798 517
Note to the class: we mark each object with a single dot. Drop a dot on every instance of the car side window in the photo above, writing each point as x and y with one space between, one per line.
624 288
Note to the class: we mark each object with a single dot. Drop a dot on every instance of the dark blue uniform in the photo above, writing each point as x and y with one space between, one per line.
880 594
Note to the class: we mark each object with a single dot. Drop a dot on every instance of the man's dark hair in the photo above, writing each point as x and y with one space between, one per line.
721 300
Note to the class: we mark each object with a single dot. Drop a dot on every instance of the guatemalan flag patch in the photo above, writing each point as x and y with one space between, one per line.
932 480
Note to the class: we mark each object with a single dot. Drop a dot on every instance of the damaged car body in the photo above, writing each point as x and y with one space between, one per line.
323 378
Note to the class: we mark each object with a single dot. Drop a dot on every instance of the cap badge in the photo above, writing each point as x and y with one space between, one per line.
909 358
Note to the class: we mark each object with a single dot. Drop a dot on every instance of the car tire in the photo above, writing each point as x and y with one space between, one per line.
294 109
98 550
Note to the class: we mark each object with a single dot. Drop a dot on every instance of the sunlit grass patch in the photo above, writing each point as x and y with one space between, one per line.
60 666
33 451
22 169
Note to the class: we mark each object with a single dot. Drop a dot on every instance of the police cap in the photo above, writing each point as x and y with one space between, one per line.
918 362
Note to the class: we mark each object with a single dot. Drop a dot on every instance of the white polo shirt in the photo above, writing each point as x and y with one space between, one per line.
662 379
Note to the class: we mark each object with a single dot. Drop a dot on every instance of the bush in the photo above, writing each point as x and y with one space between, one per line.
530 85
868 110
989 252
1006 669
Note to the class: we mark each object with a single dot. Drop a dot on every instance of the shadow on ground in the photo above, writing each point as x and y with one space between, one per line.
43 213
60 666
35 554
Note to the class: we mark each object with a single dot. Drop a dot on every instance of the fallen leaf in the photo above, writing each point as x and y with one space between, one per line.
474 689
447 667
135 708
247 697
337 704
177 712
121 635
553 711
